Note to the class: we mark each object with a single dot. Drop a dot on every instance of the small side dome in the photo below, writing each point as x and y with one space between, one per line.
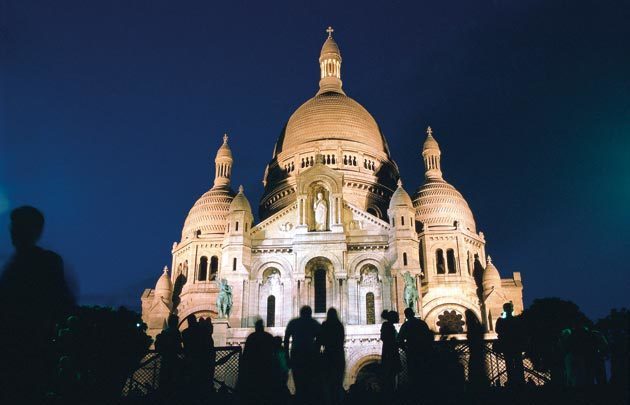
400 198
164 287
491 277
240 202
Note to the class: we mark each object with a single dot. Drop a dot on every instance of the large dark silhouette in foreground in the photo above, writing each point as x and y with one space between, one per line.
302 334
416 339
511 335
169 344
257 379
331 338
34 296
199 357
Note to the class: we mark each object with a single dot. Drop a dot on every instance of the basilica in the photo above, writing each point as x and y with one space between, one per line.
337 229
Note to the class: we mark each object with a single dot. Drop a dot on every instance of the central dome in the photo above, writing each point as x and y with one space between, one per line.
332 116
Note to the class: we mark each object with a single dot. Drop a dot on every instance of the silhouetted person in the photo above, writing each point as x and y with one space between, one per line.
476 363
510 334
390 357
331 338
199 355
302 334
256 380
281 370
417 341
34 296
169 345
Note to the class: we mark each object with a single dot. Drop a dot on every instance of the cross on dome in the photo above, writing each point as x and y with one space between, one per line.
330 30
225 138
429 131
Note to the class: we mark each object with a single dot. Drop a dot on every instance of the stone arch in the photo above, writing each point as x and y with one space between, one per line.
357 263
332 184
280 263
197 309
337 265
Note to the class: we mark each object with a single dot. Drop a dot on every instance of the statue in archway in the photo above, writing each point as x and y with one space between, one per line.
320 211
224 299
411 291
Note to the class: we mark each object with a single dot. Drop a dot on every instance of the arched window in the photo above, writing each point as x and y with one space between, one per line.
320 291
271 311
439 262
236 227
234 264
214 267
370 312
450 259
202 273
402 221
404 258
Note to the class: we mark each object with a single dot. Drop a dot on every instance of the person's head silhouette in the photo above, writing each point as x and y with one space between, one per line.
508 308
394 317
332 315
192 321
27 224
173 321
259 326
306 312
409 314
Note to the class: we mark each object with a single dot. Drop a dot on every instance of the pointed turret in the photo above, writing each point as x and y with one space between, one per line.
240 202
330 66
223 165
400 198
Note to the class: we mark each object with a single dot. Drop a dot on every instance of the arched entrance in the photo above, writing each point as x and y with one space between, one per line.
362 367
368 377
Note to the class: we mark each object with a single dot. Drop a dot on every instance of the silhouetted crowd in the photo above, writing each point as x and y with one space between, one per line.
52 351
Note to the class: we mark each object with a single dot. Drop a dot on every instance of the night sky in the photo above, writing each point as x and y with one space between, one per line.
111 113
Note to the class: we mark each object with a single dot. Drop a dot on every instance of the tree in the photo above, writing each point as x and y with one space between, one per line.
99 347
615 327
544 321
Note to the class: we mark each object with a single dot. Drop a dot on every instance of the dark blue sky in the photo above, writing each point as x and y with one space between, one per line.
111 113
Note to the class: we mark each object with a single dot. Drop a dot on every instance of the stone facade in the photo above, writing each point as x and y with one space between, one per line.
337 229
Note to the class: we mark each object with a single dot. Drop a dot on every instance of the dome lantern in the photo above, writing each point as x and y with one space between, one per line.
223 165
330 66
431 156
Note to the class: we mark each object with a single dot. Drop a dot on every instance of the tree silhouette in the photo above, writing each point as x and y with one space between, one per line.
544 321
98 348
615 328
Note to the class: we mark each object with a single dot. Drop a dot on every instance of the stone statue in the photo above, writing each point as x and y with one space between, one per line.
411 292
320 210
224 299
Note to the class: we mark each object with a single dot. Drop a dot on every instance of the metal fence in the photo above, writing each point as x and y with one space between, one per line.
146 378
